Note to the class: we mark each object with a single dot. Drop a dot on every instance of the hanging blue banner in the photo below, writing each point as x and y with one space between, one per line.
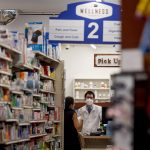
87 23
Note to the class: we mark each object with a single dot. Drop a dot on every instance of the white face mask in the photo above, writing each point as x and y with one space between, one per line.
89 101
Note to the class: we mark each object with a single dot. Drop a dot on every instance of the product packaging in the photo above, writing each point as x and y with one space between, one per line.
34 32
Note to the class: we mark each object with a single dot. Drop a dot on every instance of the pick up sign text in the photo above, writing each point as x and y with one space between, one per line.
107 60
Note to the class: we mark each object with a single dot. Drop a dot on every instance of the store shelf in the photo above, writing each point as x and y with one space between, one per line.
9 48
37 95
5 73
46 59
16 92
103 137
52 92
15 141
17 108
29 95
57 135
47 128
3 102
36 109
96 99
38 135
5 58
44 102
100 88
51 106
44 77
24 124
56 121
27 90
28 107
5 86
92 89
50 140
38 121
11 120
24 67
36 68
46 91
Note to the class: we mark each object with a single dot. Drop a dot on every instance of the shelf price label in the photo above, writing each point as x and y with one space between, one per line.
87 22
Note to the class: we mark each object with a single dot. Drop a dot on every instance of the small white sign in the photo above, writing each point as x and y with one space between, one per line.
66 30
94 10
132 60
111 31
107 60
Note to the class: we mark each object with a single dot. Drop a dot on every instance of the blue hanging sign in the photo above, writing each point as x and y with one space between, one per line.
87 23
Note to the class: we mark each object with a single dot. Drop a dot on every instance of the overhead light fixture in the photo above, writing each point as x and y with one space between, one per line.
7 16
98 0
93 46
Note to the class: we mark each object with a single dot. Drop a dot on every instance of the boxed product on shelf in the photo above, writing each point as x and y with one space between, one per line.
47 85
14 35
54 50
46 40
57 113
4 95
16 101
4 53
5 112
27 100
28 116
35 35
4 66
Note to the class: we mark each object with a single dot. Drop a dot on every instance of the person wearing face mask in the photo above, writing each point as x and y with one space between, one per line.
90 115
71 125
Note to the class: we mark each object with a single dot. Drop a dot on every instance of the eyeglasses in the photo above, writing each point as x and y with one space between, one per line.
89 97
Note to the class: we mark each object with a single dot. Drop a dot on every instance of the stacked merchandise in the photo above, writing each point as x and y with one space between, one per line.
27 95
130 111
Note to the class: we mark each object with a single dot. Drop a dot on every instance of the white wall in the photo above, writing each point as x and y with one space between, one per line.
19 23
79 63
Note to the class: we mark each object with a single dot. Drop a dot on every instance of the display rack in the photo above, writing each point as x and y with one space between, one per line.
100 87
37 116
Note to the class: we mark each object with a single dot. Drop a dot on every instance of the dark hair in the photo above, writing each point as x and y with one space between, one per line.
90 93
35 36
68 101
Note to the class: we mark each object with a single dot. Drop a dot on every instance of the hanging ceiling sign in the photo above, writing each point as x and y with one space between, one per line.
87 23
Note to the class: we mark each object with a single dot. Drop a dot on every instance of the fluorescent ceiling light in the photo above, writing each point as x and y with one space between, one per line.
93 46
99 0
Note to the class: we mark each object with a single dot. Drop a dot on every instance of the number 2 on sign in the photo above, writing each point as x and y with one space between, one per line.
92 34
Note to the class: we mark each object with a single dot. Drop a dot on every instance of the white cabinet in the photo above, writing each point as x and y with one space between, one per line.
100 87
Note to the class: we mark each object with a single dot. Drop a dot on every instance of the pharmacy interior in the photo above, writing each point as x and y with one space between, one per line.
48 55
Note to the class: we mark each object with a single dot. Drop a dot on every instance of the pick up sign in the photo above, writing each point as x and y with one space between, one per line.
107 60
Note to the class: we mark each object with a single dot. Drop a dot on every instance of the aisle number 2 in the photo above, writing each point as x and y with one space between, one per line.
92 34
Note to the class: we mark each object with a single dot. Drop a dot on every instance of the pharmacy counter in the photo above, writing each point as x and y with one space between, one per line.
94 142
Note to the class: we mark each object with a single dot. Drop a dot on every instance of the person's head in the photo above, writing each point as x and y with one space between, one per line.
35 36
89 97
69 102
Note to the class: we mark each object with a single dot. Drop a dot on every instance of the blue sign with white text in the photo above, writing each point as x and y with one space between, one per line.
87 23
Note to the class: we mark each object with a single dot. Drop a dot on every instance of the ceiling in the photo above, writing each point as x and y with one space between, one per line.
37 5
46 6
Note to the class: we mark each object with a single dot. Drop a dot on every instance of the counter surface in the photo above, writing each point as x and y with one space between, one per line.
94 142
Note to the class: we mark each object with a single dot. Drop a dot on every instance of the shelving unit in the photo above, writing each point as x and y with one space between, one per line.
30 110
101 88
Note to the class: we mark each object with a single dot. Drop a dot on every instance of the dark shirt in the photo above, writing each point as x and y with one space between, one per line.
71 139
